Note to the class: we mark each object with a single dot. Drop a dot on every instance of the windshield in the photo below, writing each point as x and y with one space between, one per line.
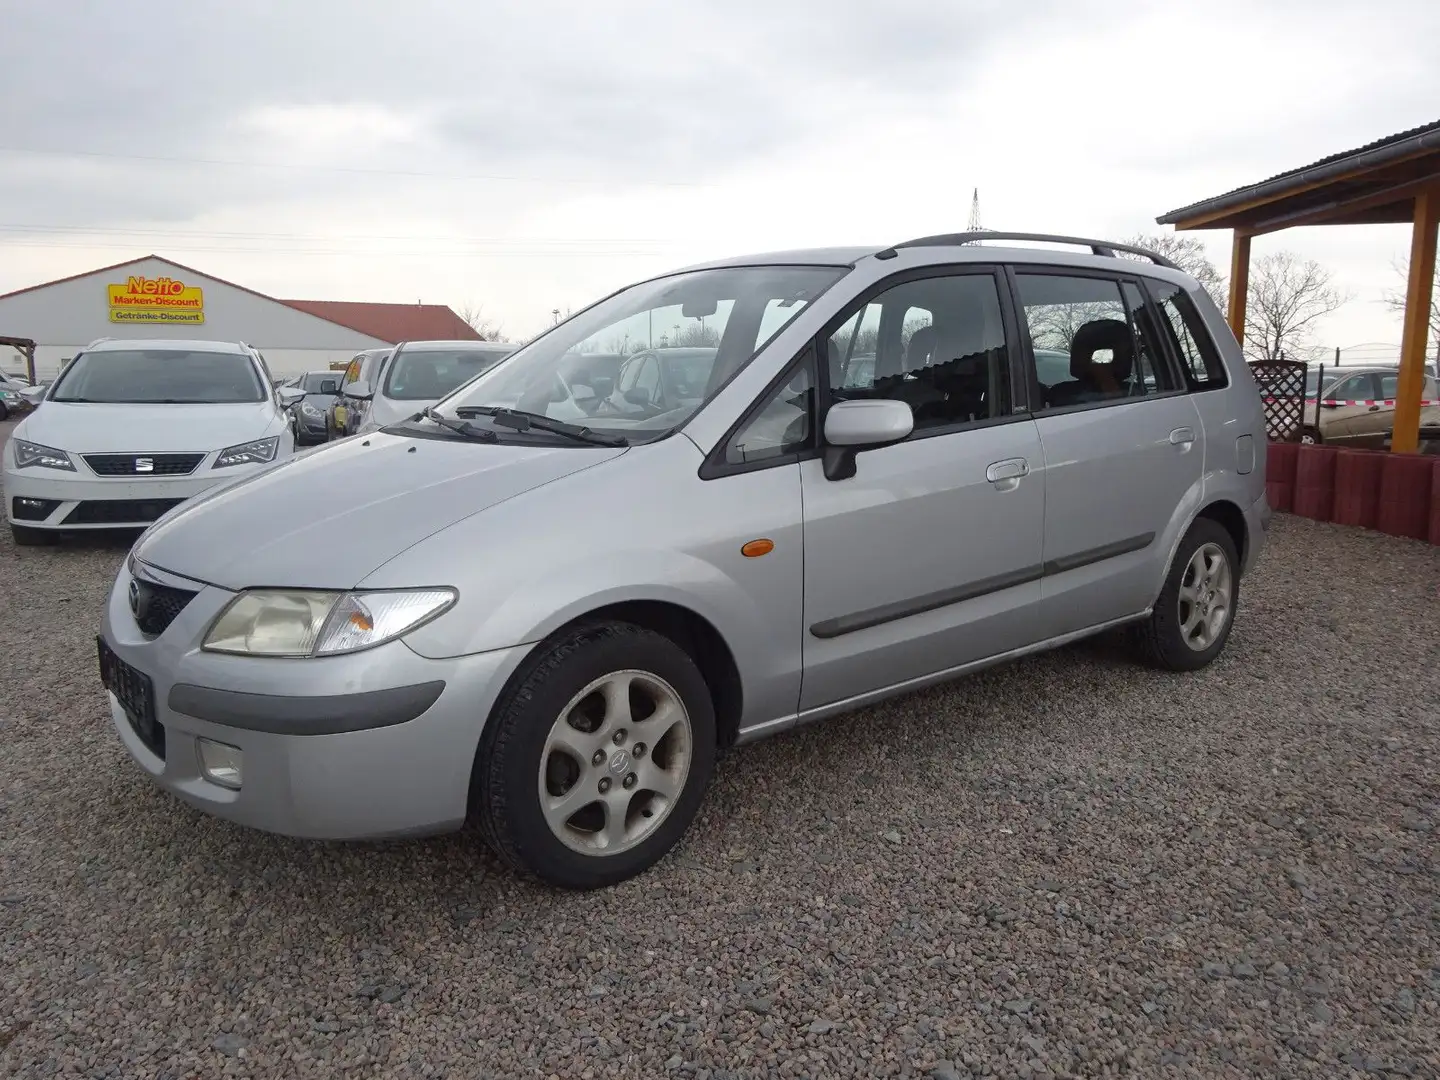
160 376
430 374
323 382
642 362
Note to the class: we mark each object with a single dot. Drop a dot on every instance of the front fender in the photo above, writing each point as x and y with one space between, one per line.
530 566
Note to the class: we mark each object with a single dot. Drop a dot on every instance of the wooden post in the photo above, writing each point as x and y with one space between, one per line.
1239 283
1406 436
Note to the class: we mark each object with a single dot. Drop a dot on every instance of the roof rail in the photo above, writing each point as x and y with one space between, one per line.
1097 247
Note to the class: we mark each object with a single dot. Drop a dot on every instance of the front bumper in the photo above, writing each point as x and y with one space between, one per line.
375 744
122 502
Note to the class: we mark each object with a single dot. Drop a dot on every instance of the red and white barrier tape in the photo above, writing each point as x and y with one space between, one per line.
1328 401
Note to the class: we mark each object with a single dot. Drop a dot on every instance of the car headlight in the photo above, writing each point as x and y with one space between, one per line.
310 410
250 453
30 455
310 622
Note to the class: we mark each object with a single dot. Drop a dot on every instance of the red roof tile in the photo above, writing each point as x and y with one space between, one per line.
391 322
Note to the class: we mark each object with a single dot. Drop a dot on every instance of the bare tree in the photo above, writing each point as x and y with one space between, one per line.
697 334
1288 296
1188 253
1394 300
474 317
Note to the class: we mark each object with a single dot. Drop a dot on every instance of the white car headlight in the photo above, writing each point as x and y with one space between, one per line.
309 622
310 410
250 453
30 455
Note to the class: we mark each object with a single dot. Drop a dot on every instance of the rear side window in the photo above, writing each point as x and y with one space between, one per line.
1188 337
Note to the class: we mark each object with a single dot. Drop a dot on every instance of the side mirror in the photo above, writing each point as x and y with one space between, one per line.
291 395
33 394
637 395
360 390
852 426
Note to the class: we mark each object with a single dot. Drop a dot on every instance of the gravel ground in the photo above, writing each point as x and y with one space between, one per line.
1071 866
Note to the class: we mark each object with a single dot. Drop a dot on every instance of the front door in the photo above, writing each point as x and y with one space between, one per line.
1121 441
928 558
1351 415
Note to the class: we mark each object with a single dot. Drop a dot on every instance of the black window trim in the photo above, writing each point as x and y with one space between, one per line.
1193 320
1032 371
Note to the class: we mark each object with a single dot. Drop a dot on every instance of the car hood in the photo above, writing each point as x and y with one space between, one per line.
328 518
92 429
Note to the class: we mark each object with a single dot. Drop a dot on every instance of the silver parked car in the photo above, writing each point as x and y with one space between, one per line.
549 609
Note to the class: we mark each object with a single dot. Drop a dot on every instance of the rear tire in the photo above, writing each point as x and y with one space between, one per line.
606 727
1195 610
25 536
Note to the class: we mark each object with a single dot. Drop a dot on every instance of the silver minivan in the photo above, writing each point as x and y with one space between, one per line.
549 610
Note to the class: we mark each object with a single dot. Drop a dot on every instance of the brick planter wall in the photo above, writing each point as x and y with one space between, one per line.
1398 494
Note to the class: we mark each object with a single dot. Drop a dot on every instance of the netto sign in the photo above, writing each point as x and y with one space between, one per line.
156 300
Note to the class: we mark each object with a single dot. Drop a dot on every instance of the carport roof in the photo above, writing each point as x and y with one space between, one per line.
1372 184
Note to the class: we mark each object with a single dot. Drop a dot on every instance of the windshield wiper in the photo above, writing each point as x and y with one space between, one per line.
470 431
525 421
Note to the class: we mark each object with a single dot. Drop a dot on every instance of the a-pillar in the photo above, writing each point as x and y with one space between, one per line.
1418 290
1239 283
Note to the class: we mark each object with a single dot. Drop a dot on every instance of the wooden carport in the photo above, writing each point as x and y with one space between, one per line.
1394 180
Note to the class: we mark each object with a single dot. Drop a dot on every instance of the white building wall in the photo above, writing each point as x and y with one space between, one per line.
64 317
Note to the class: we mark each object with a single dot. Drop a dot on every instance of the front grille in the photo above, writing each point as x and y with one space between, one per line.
143 464
119 511
32 509
154 606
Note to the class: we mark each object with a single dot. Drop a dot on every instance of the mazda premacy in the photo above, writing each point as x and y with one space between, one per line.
546 608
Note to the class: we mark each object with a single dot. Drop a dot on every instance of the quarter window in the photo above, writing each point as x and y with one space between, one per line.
936 343
1188 337
782 426
1087 348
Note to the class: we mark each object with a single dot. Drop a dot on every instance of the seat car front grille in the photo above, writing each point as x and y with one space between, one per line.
143 464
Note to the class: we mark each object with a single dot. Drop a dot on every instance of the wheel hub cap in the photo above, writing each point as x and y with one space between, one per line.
599 796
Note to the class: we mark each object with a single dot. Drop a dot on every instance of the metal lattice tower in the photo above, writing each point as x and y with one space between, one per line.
975 225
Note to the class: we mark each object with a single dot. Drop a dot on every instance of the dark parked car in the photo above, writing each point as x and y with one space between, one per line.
308 415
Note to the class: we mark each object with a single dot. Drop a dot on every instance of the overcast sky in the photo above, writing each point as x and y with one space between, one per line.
528 157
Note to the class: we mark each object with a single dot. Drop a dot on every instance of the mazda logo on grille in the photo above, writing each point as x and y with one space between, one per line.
144 464
139 601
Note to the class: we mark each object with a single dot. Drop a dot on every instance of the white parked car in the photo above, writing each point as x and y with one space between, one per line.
417 374
133 428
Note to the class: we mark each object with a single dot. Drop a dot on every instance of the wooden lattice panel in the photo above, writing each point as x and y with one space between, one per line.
1282 389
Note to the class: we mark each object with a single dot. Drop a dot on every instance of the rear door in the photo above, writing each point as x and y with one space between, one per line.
1121 442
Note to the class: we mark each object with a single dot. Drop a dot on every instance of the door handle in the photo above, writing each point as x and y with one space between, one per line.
1182 436
1009 469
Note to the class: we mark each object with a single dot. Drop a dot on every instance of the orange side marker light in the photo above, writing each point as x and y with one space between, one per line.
755 548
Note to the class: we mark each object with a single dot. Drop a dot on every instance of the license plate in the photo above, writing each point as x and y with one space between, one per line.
136 693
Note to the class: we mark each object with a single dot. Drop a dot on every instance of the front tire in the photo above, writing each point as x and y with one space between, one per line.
1310 436
597 759
1196 608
